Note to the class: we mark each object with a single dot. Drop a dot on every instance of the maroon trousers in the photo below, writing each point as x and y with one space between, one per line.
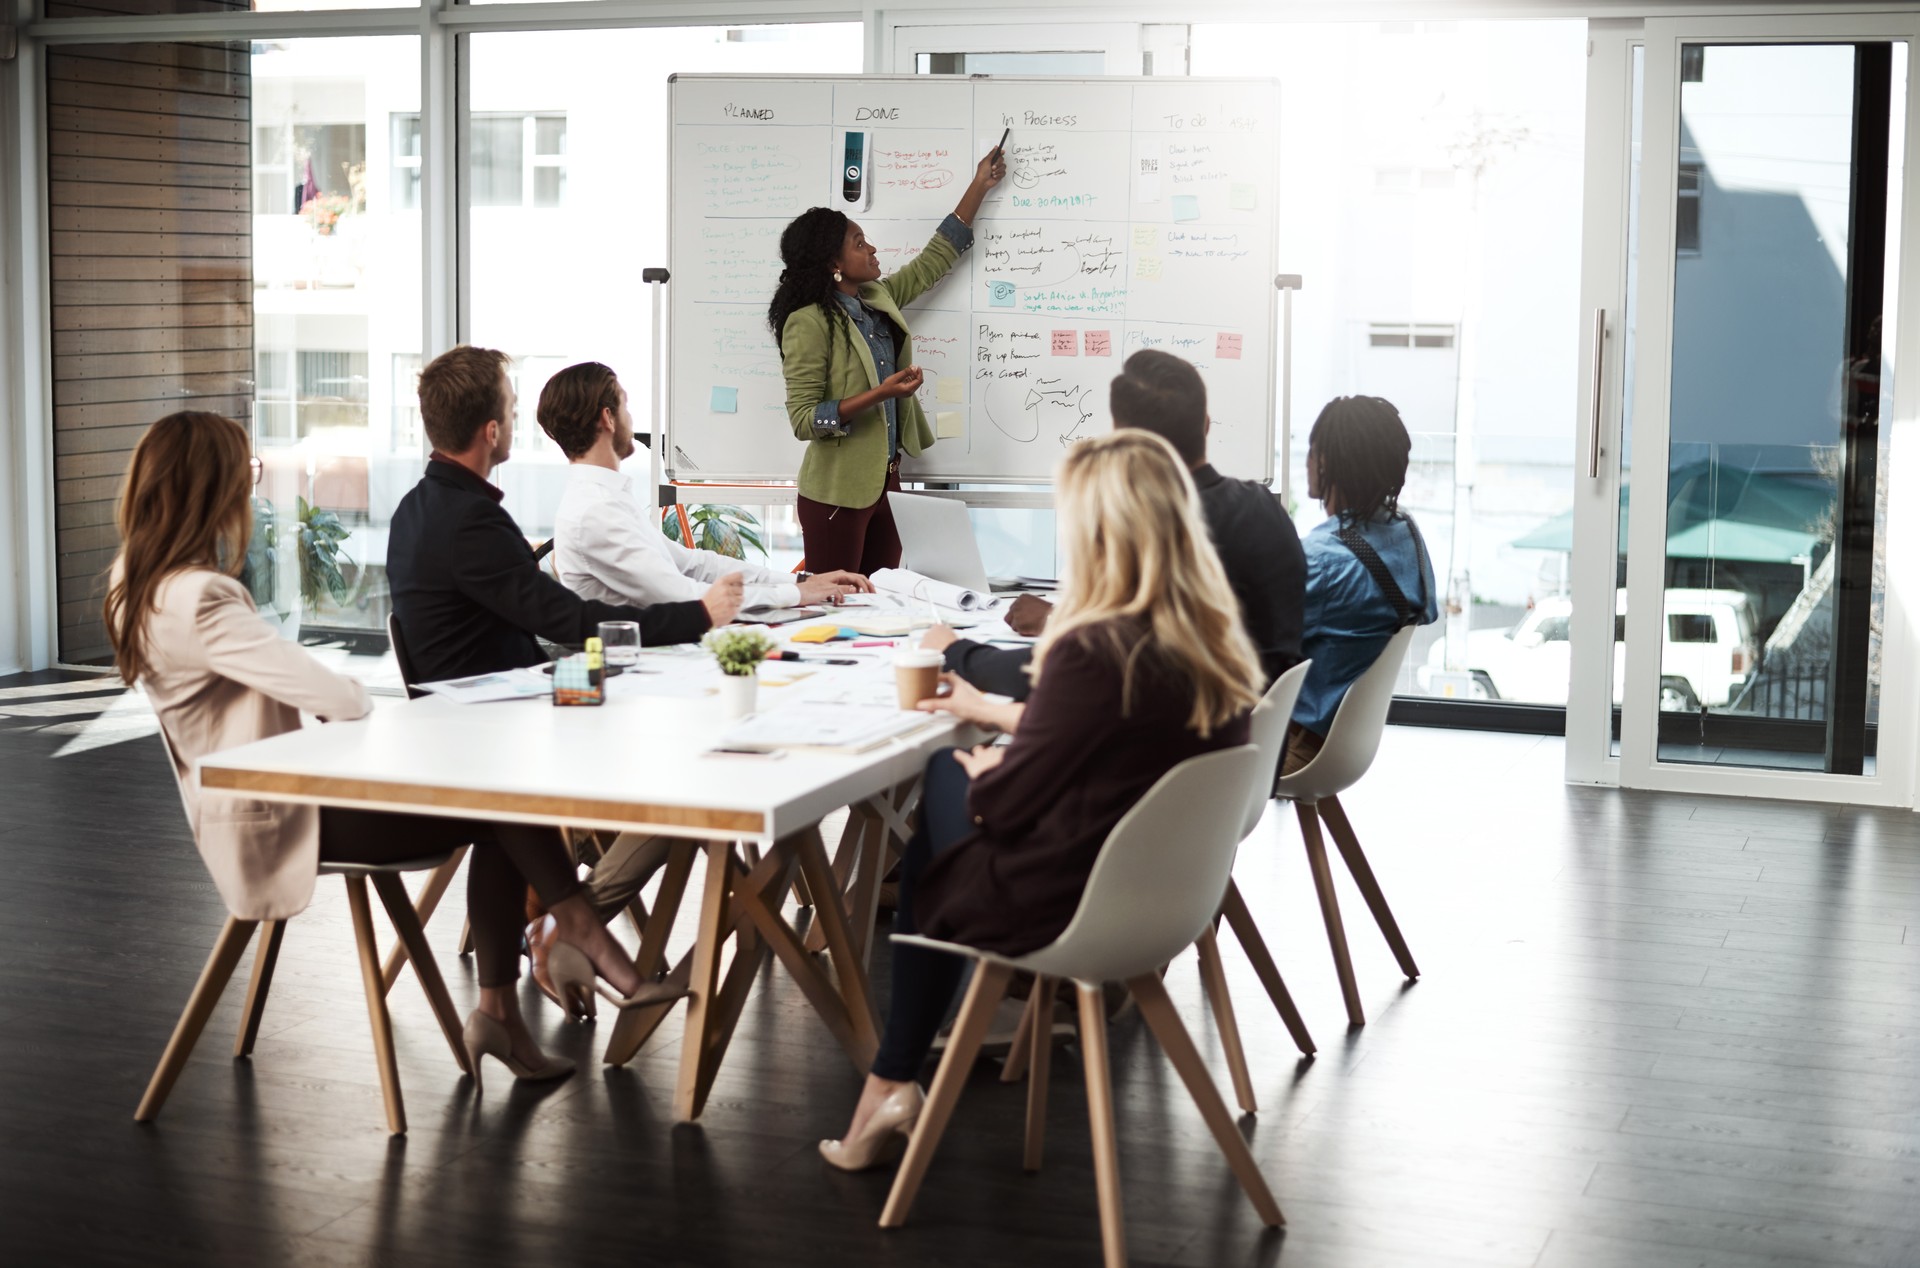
858 540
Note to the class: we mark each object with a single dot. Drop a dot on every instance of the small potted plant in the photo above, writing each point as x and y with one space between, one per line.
739 653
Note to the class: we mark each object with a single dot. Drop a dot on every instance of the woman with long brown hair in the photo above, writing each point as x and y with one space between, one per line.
1144 664
185 629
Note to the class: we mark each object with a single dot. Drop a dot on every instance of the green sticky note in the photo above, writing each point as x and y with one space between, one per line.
1186 207
1000 294
1243 197
725 400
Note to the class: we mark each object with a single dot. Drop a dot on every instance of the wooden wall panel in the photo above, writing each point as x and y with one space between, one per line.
150 205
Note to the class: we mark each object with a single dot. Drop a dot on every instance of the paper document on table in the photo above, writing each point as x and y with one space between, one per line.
511 684
848 728
906 584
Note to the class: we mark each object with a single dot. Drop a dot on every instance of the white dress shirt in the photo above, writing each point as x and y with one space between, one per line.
605 548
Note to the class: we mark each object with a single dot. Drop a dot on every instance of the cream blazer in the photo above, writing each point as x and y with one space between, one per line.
218 678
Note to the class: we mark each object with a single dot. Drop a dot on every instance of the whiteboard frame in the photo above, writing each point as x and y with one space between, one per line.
664 441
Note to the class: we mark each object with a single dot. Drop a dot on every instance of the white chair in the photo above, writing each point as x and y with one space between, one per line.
232 944
1352 741
1144 904
1269 725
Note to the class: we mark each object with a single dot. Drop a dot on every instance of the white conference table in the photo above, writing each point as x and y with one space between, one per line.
639 763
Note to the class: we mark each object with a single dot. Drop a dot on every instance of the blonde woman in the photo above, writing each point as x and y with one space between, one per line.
1144 664
185 629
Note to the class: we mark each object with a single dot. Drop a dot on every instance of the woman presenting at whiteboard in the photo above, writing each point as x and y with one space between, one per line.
844 349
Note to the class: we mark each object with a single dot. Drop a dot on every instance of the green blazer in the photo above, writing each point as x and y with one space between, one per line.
827 360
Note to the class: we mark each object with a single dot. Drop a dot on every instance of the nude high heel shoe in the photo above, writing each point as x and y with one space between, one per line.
889 1128
572 974
487 1037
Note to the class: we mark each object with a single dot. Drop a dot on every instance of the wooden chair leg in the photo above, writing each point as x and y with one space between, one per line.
227 950
1106 1147
1015 1066
393 896
265 954
377 1017
1240 920
429 901
1213 975
1037 1075
466 939
989 987
1158 1009
1349 846
1330 911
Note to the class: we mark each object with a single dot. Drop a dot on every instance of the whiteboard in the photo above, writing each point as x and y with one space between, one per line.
1136 213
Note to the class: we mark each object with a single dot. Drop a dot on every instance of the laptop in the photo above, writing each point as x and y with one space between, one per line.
936 537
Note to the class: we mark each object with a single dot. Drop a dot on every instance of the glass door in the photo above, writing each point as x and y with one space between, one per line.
1751 614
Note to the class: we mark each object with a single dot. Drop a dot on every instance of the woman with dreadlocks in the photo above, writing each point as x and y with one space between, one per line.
1368 574
847 355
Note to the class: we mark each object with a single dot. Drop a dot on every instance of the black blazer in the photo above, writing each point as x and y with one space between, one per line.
1260 550
470 596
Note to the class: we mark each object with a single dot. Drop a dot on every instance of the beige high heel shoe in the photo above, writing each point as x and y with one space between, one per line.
486 1036
887 1130
572 974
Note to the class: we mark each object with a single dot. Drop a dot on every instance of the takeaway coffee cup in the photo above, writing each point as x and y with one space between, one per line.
916 673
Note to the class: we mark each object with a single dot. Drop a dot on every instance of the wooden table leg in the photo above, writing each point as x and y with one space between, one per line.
844 855
632 1028
849 968
393 896
840 1014
690 1091
377 1017
429 901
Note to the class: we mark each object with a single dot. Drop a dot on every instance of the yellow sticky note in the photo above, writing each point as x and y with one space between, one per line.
1147 268
816 634
949 390
949 424
1145 237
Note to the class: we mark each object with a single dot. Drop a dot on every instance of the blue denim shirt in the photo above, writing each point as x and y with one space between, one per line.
1348 621
872 328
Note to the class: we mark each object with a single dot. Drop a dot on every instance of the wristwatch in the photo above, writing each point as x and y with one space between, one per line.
799 577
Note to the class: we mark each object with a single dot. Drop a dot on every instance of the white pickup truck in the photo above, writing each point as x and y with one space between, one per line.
1709 650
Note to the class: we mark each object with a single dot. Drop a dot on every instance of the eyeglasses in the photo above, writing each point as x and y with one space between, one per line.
259 469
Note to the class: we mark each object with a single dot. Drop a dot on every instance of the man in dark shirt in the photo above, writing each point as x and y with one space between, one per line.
467 591
1258 545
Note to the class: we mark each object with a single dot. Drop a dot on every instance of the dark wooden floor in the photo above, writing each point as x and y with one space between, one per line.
1653 1031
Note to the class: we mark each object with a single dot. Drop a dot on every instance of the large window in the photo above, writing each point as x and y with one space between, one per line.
1431 203
568 200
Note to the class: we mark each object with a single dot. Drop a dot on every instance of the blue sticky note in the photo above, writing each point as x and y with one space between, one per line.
1000 294
725 400
1186 207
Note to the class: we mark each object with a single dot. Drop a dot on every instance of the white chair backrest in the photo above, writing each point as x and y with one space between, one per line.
1269 721
1161 874
1354 737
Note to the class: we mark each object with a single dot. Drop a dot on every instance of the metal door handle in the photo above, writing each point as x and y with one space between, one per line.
1599 390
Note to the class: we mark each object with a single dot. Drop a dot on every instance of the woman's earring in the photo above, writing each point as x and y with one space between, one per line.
837 277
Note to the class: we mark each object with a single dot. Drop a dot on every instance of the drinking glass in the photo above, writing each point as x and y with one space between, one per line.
621 642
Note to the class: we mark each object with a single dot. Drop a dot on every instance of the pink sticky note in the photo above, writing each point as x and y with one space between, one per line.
1064 344
1099 343
1226 347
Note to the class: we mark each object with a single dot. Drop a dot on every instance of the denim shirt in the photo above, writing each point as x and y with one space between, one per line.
1348 621
873 328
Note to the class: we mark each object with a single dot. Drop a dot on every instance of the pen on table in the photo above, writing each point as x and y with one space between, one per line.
809 660
878 642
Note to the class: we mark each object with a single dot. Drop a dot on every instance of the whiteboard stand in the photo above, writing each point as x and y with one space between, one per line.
1287 284
657 280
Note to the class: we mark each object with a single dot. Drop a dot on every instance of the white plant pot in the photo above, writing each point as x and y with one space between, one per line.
738 692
